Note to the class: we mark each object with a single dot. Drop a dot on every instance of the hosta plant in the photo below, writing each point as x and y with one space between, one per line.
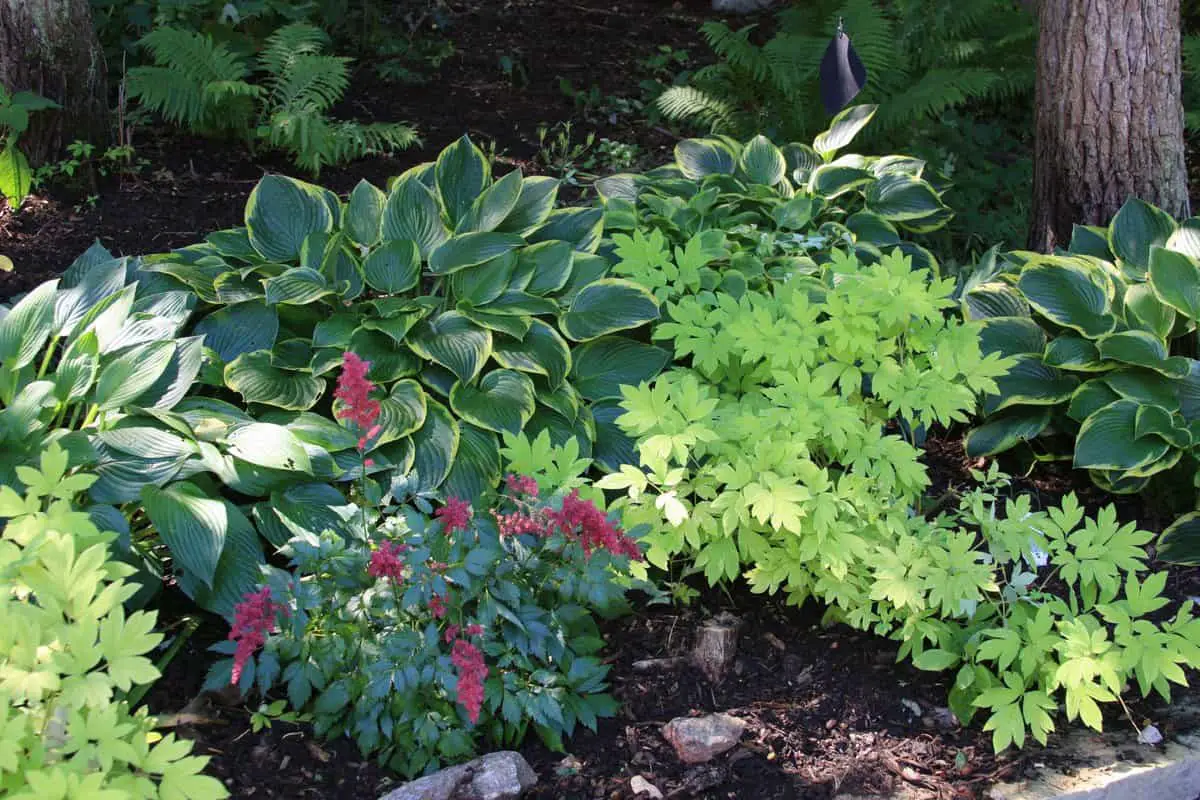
786 449
733 215
69 653
481 308
439 632
98 361
1104 341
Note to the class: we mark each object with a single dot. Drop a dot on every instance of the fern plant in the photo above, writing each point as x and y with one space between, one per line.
922 57
282 102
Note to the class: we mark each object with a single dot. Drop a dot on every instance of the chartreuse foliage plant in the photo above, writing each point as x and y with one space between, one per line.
99 362
69 652
436 633
786 448
1104 341
16 177
482 309
730 216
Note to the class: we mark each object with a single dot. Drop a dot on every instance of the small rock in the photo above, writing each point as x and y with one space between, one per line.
497 776
912 706
941 718
830 724
639 786
1150 735
700 739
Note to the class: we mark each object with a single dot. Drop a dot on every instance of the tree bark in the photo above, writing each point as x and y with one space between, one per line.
1109 113
50 47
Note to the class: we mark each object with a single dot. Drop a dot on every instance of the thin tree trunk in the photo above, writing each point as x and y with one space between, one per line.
50 47
1109 113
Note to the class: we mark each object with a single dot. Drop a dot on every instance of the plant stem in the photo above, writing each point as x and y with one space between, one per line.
46 359
190 624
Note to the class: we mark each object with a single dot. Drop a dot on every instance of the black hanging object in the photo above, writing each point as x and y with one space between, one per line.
842 72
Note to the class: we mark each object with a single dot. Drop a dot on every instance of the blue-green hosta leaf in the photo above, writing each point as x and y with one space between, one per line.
1186 238
843 128
1180 543
281 213
1108 440
95 254
801 161
234 243
257 380
335 330
561 430
1089 240
903 198
469 249
1188 391
602 366
462 173
192 525
492 207
1090 398
395 328
1142 349
1157 421
521 304
436 444
542 351
512 325
389 361
313 429
1070 294
121 477
438 378
586 269
1145 386
1075 353
1030 383
242 328
341 269
267 445
607 306
298 286
312 508
564 400
833 180
453 341
71 305
145 438
762 162
107 319
1136 228
612 447
76 374
699 158
1006 430
994 299
503 401
239 569
1011 336
1143 309
233 288
483 283
869 228
363 216
134 371
412 213
401 413
476 467
1117 481
1175 278
393 267
543 268
536 201
25 329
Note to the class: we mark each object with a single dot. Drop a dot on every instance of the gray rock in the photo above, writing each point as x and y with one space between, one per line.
741 6
497 776
700 739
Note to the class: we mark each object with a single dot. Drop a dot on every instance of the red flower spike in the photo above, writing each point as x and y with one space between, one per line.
471 673
437 606
253 619
386 563
455 515
450 633
354 390
521 485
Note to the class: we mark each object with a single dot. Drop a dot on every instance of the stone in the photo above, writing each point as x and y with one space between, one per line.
496 776
700 739
741 6
640 786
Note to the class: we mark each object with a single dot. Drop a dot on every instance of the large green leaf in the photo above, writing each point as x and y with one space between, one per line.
1186 238
1006 430
463 172
483 283
1136 228
1090 398
1070 294
537 199
146 438
541 351
401 413
543 268
192 525
1145 310
412 213
492 207
476 467
613 447
16 178
453 341
832 180
25 329
389 361
298 286
393 267
281 213
363 216
1108 440
1145 386
902 198
1089 240
503 401
239 569
1030 383
994 299
131 373
314 429
1176 280
1180 542
1157 421
1011 336
237 329
267 445
311 508
843 128
607 306
602 366
98 282
436 445
178 377
581 227
257 380
698 158
762 162
469 249
1075 353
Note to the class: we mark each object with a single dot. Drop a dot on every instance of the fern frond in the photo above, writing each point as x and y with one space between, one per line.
688 103
310 81
289 43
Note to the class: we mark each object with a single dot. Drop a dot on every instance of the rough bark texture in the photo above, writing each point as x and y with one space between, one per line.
50 47
716 646
1109 113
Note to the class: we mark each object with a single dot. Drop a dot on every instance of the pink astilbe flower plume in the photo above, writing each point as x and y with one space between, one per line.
471 673
253 619
354 390
455 515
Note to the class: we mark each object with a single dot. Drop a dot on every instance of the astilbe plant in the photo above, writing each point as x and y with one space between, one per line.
442 630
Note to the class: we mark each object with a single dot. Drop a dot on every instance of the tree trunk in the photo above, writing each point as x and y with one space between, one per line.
50 47
1109 113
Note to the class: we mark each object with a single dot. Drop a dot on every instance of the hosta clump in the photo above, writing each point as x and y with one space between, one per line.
787 446
98 361
481 308
1104 341
732 216
439 632
1036 611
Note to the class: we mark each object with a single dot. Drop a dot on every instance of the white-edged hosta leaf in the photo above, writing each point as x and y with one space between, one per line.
1089 398
1006 430
462 172
1011 336
1137 227
762 162
994 299
1175 278
538 196
1030 383
402 412
1089 240
469 249
242 328
267 445
298 286
476 467
1139 348
541 351
436 444
606 306
903 198
832 180
483 283
412 213
843 128
1146 387
512 325
1186 238
1157 421
1144 309
602 366
393 267
1108 440
453 341
389 361
493 206
1180 542
257 380
363 216
582 228
1075 353
502 401
543 268
281 213
1070 294
699 158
